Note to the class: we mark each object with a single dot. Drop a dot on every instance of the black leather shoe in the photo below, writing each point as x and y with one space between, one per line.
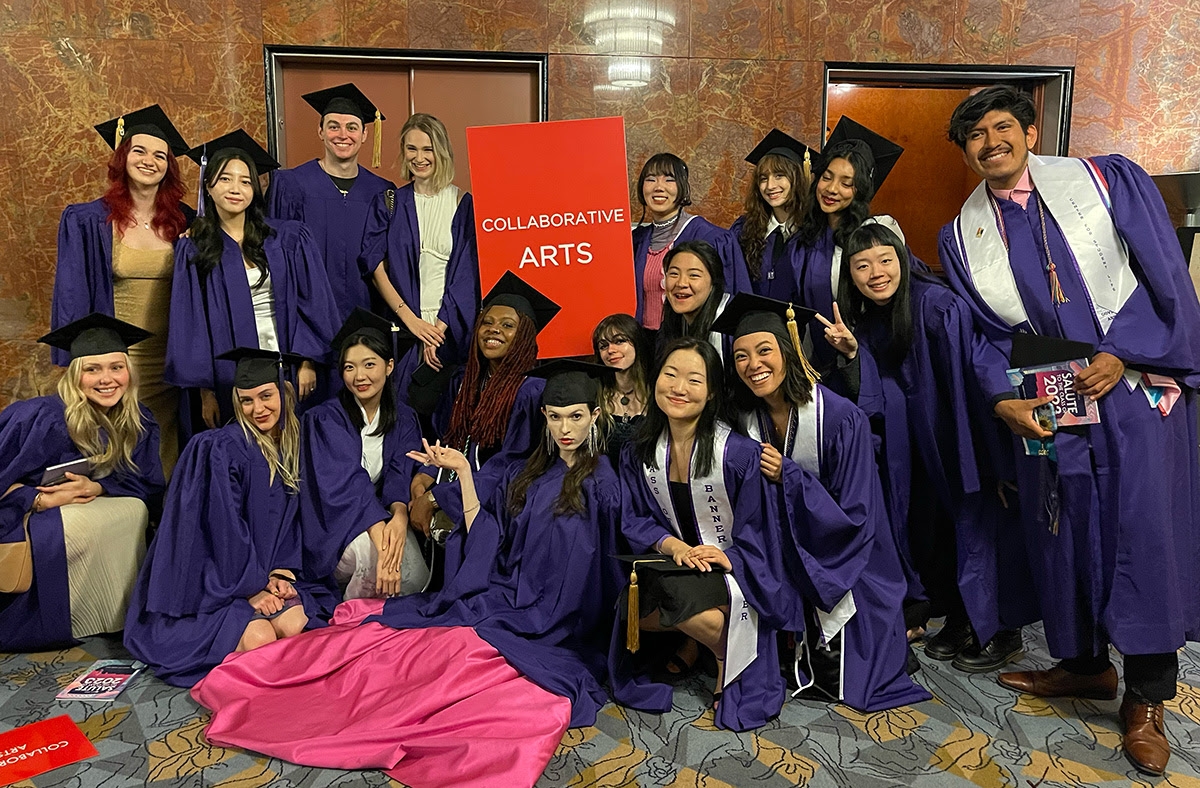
1003 648
912 664
950 640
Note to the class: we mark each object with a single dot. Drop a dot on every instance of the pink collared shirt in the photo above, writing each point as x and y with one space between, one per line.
1019 193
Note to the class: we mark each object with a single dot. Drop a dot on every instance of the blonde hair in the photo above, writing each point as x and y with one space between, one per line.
282 458
107 439
443 154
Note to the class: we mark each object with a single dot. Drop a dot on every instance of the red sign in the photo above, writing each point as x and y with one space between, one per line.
552 206
40 747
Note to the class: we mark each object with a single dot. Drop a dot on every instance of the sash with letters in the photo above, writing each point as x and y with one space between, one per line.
803 447
714 521
1077 198
1075 194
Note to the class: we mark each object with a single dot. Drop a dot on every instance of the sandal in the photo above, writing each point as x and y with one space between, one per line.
677 666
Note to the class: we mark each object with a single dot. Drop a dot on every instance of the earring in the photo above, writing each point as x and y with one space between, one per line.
549 443
591 439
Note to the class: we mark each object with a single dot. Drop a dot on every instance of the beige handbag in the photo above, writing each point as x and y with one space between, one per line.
16 561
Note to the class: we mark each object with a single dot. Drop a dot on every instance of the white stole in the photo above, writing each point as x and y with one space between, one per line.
835 268
805 451
714 519
1077 199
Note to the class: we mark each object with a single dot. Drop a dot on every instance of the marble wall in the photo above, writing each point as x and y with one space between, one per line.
728 70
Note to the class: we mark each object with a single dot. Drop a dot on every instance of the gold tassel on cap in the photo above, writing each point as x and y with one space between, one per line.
120 135
807 172
633 628
377 149
809 372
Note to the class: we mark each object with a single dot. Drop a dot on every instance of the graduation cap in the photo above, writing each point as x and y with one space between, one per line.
570 382
147 120
1035 350
780 144
513 291
652 562
747 313
362 321
239 140
257 367
95 335
883 153
347 99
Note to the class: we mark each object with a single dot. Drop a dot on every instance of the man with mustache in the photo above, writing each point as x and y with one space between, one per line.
1083 250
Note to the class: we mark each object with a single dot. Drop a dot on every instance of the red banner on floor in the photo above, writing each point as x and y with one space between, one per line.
552 206
34 749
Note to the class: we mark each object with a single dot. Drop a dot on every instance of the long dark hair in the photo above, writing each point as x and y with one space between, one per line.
168 221
387 401
665 164
485 419
858 154
797 389
656 421
673 324
753 236
858 310
206 230
570 498
623 325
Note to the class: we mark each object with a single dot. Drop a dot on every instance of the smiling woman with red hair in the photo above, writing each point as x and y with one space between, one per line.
115 254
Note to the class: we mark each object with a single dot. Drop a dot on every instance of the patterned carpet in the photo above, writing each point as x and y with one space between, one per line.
973 732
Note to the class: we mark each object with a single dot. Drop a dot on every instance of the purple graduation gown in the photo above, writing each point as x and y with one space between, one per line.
840 542
737 278
539 587
213 316
338 501
83 276
756 554
940 437
337 221
778 276
1125 565
226 525
395 236
33 436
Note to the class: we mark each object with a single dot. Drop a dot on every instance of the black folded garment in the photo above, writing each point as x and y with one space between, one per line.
1035 350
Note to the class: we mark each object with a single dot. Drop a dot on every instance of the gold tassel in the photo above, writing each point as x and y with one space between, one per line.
377 152
1056 292
120 131
633 628
809 372
807 168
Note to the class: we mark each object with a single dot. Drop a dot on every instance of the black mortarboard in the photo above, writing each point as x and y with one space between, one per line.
1034 350
347 99
95 335
570 382
257 367
239 139
748 313
344 99
784 145
363 322
513 291
147 120
883 151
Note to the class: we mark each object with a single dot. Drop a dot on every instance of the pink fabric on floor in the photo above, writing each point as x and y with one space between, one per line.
431 707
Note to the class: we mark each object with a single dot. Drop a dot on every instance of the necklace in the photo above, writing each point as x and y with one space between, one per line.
625 396
667 222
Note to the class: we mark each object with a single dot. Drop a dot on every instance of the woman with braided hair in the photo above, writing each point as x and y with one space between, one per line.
494 414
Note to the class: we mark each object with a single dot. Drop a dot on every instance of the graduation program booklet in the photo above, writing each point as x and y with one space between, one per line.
103 681
1057 380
